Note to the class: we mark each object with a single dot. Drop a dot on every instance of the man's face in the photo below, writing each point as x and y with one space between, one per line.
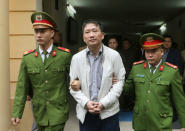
92 35
113 43
167 43
126 44
153 56
43 34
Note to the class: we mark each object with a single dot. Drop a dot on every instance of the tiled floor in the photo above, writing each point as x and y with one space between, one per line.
72 123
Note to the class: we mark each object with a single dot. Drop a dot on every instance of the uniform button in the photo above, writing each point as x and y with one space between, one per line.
46 92
147 101
46 70
149 91
46 81
147 110
47 102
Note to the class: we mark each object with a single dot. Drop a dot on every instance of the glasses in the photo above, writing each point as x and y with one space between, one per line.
41 30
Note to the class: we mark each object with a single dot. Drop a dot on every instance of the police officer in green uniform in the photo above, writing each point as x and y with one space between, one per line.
44 71
155 84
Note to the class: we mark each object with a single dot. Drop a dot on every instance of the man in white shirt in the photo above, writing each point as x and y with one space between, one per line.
97 100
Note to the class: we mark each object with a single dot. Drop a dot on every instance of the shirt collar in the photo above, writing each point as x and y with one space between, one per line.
48 50
156 65
100 51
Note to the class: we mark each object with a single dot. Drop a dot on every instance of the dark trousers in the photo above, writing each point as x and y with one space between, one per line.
94 123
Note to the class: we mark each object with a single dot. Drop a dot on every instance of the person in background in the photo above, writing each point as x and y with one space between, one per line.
44 70
155 84
129 54
113 43
94 67
58 39
172 55
183 58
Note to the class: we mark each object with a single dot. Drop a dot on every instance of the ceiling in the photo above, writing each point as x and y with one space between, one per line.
129 16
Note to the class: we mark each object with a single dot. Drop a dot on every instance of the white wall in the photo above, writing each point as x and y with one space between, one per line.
176 28
61 16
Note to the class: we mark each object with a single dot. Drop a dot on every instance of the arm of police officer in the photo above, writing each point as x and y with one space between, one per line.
128 88
20 95
178 98
79 95
75 84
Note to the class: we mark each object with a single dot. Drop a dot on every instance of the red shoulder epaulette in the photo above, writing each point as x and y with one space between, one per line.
64 49
171 65
28 52
138 62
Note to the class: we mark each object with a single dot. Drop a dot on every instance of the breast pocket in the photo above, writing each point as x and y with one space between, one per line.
139 85
34 74
58 72
163 87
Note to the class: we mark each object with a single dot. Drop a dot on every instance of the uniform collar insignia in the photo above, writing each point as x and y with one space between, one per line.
54 53
161 67
36 53
145 65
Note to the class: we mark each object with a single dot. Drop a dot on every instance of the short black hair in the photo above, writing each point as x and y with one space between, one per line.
126 39
168 36
97 23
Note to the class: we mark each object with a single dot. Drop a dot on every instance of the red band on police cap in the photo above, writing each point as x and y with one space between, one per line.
152 44
45 22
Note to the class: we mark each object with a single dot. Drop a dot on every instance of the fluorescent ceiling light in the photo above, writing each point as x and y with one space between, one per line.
71 10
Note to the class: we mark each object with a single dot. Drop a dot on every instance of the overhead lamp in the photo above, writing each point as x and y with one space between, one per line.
138 33
163 28
71 10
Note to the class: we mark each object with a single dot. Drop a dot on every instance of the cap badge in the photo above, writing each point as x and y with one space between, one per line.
39 17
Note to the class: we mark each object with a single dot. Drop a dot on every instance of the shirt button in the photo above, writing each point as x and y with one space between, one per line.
46 70
149 91
46 81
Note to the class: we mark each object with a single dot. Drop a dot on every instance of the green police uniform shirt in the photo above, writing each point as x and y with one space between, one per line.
154 94
49 83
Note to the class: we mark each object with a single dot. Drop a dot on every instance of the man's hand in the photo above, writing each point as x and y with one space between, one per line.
182 129
91 105
15 121
28 98
114 80
75 85
99 108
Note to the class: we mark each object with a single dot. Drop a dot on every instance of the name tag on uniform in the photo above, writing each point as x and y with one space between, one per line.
140 75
